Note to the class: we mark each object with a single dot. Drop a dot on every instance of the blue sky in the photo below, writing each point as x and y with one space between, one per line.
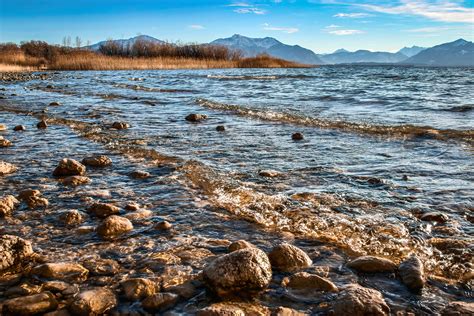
321 25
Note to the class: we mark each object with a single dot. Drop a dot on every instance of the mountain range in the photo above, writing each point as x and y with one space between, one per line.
457 53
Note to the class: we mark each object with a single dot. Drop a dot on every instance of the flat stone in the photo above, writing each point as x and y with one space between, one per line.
289 258
309 282
102 210
139 288
139 174
99 161
69 167
30 305
54 103
371 264
96 301
113 227
356 300
65 271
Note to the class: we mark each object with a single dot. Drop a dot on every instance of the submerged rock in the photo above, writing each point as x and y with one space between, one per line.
220 128
19 128
139 174
97 161
65 271
42 124
371 264
102 210
7 168
195 117
139 288
458 308
33 199
244 272
234 309
54 103
435 217
30 305
114 226
356 300
7 205
412 273
269 173
297 136
239 244
120 125
71 217
13 250
101 267
159 302
69 167
93 302
306 281
76 180
289 258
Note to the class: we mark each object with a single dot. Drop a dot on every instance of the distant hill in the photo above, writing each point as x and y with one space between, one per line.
457 53
268 45
127 42
411 51
362 56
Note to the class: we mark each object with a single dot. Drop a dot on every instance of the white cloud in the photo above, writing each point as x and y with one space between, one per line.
247 10
428 30
352 15
239 4
289 30
332 26
346 32
445 11
196 27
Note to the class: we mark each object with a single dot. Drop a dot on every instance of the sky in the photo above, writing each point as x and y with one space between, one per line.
321 25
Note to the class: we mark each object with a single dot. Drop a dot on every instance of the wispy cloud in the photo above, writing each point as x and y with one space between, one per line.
428 30
196 27
250 10
352 15
332 26
445 11
346 32
289 30
239 4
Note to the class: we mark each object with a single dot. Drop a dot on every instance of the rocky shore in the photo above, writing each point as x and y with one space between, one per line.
92 228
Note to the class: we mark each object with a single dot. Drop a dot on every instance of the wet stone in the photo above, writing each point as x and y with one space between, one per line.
7 168
297 136
5 143
412 273
113 227
139 288
19 128
33 199
102 267
71 217
239 244
65 271
164 225
93 302
75 181
220 128
159 302
13 250
69 167
356 300
372 264
269 173
458 308
3 127
7 205
289 258
139 174
22 290
120 125
54 103
103 210
309 282
132 206
30 305
99 161
244 272
42 124
195 117
435 217
285 311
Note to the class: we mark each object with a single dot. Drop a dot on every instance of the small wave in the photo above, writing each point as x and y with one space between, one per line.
263 77
148 89
461 108
410 131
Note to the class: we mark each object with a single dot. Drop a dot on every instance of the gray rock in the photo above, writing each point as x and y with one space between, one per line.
356 300
93 302
289 258
69 167
412 273
244 272
13 250
371 264
30 305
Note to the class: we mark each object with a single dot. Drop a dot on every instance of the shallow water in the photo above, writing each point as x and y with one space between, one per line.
382 146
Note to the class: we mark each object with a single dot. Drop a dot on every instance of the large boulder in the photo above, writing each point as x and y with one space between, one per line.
244 272
289 258
93 302
371 264
30 305
13 250
65 271
356 300
97 161
139 288
69 167
412 273
7 168
114 226
7 205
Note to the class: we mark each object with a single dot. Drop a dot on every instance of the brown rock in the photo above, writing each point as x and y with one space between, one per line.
120 125
13 250
71 217
69 167
113 227
435 217
235 308
65 271
356 300
102 266
239 244
285 311
30 305
33 199
97 161
297 136
195 117
372 264
244 272
458 309
139 174
159 302
26 194
132 206
7 205
7 168
269 173
306 281
139 288
5 143
3 127
289 258
412 273
164 225
54 103
19 128
76 180
42 124
220 128
103 210
93 302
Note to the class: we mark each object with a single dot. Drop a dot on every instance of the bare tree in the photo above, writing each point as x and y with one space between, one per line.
68 41
64 41
78 42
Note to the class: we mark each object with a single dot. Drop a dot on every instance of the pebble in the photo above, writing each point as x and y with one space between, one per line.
7 168
309 282
5 143
54 103
289 258
71 217
102 210
139 174
220 128
269 173
435 217
19 128
163 225
159 302
64 271
7 205
114 226
76 180
239 244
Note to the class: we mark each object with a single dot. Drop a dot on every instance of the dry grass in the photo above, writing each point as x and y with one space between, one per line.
87 60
